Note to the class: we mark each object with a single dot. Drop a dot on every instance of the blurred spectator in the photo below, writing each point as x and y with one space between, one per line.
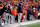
39 6
19 8
28 14
13 11
2 10
31 15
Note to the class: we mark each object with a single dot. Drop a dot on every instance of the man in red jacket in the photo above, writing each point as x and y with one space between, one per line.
14 13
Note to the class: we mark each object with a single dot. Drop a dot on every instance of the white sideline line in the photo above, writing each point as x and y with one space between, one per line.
30 22
22 23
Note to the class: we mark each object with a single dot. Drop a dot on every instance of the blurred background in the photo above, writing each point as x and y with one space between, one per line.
30 8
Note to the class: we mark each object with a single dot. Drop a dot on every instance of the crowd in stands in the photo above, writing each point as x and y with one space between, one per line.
19 11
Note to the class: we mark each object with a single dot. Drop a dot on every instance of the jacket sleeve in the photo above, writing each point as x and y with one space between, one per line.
17 7
3 10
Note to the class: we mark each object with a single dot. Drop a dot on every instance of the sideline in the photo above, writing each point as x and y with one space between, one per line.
22 23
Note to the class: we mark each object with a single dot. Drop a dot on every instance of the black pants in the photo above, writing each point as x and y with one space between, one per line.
28 17
4 21
38 17
16 19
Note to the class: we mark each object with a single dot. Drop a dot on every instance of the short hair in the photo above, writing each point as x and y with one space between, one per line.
20 2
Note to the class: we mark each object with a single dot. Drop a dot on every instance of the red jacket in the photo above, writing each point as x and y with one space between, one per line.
1 5
2 18
14 12
25 11
36 6
35 14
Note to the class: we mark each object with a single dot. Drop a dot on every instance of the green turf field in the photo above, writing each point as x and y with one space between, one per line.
32 25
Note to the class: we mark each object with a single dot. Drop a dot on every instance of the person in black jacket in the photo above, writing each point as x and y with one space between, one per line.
31 15
8 15
38 6
28 14
2 10
19 8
